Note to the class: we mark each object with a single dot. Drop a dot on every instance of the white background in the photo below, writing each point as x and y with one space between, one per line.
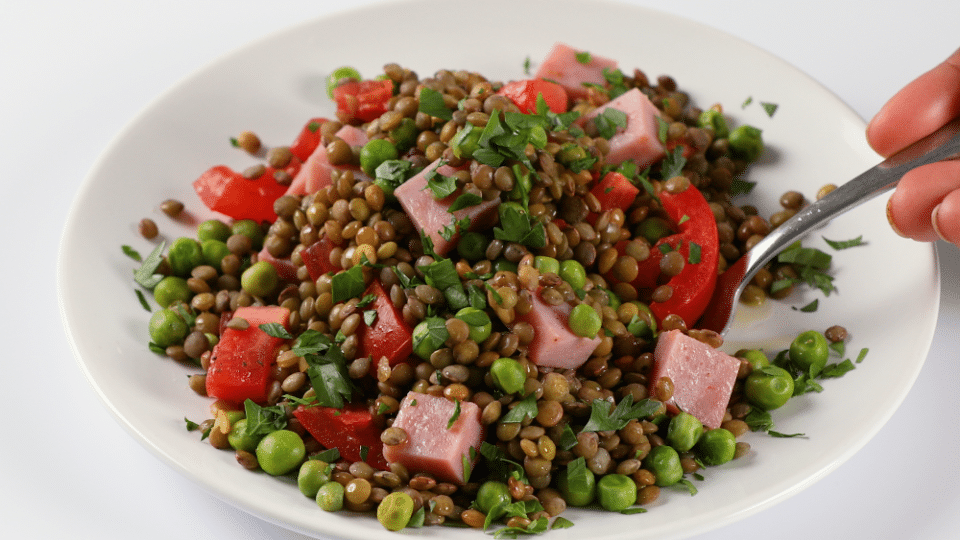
72 74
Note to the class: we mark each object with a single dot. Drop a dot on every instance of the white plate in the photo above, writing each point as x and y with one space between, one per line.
889 289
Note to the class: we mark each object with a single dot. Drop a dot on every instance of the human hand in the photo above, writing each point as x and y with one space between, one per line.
926 203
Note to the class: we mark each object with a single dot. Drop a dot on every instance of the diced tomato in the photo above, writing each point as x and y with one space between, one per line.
352 430
362 100
524 95
308 140
316 257
389 335
228 192
615 191
241 362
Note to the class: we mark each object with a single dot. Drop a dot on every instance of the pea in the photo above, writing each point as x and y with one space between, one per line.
280 452
503 265
578 483
338 75
492 494
684 431
428 336
653 229
716 447
330 496
167 328
395 510
584 321
239 439
755 357
479 322
472 246
746 142
251 229
616 492
171 289
260 279
714 120
404 135
375 152
809 352
768 388
664 462
184 255
573 273
508 375
312 476
465 142
546 264
213 229
214 251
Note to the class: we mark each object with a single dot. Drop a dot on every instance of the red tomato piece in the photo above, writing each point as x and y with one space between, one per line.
242 360
524 95
316 257
362 100
389 335
308 140
353 430
226 191
615 191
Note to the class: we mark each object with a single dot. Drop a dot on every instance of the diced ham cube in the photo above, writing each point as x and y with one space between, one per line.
702 376
554 344
562 66
433 444
315 172
640 141
430 216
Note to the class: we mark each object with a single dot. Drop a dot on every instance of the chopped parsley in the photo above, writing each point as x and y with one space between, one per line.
583 57
455 415
602 418
845 244
431 102
147 275
769 108
327 368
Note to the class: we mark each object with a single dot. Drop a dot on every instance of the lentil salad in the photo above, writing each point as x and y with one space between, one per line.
483 363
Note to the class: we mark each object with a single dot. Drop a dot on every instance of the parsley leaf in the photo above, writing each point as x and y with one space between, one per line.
455 415
263 420
523 409
465 200
517 226
608 121
143 299
276 330
146 275
769 108
583 57
431 102
441 186
604 419
845 244
673 164
327 368
132 253
741 187
347 285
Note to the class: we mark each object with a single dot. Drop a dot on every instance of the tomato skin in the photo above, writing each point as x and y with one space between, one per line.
316 257
349 430
241 362
389 336
228 192
362 101
524 95
308 140
615 191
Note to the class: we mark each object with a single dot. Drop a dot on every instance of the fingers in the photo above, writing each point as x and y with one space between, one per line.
925 104
920 192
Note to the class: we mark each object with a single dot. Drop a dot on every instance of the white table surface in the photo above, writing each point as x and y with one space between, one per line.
73 73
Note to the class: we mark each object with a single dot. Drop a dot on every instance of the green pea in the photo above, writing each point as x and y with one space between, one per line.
171 289
395 510
573 273
479 322
577 483
428 336
213 229
185 254
239 439
714 120
260 279
465 142
664 462
339 75
653 229
546 264
375 152
472 246
330 497
768 388
584 321
503 265
313 474
716 447
746 142
213 252
684 431
508 375
404 136
280 452
809 352
251 229
755 357
571 152
167 328
644 323
616 492
492 494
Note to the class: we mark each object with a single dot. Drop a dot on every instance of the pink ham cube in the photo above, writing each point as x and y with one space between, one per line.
702 376
430 216
554 344
315 172
640 141
571 68
434 444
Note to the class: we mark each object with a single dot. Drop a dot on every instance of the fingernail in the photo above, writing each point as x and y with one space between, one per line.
890 220
933 221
